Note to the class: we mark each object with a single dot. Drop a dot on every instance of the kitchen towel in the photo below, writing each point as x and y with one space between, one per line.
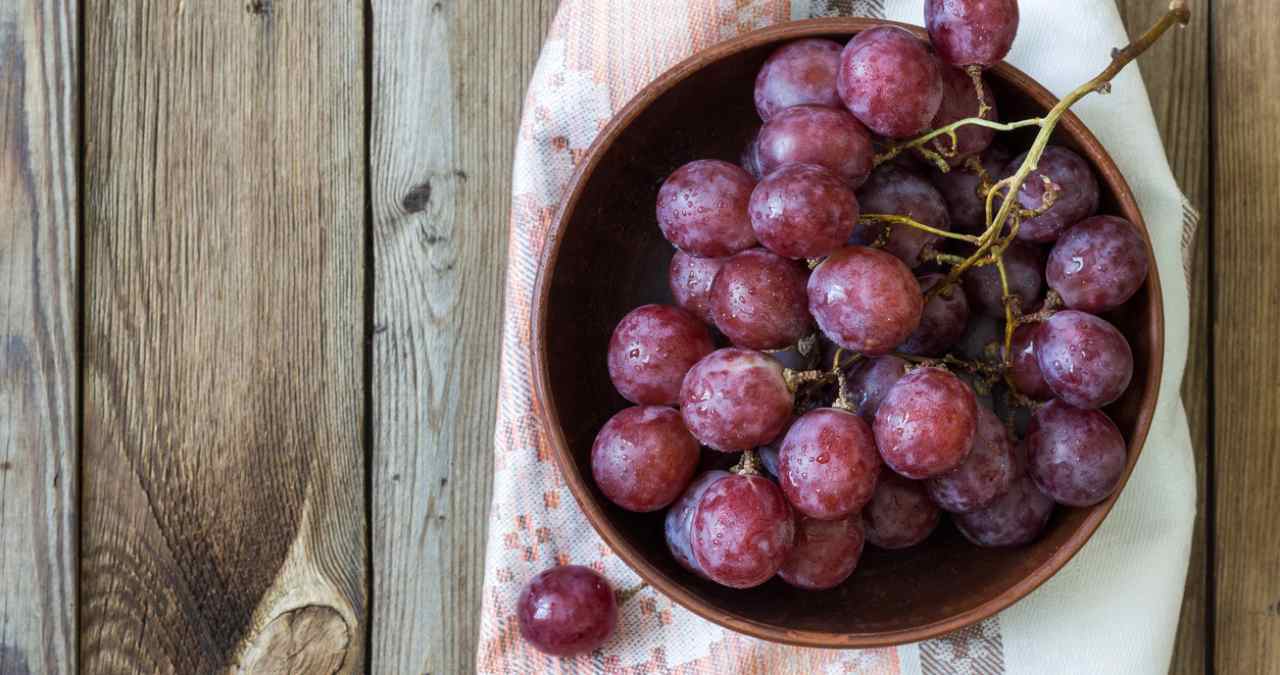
1113 609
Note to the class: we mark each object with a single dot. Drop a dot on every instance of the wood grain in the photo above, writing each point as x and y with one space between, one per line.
1176 75
1246 135
223 473
448 80
38 359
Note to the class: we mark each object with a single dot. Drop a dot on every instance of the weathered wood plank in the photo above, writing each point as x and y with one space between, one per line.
223 473
448 81
38 310
1246 63
1176 74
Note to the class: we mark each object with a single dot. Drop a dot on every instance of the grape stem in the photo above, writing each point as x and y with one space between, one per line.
991 244
873 218
748 464
795 378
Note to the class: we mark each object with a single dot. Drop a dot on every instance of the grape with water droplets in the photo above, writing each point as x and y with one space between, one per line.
702 208
802 72
690 279
825 553
643 458
803 211
892 190
651 350
567 610
1098 264
827 465
1084 359
984 475
1076 200
925 426
865 299
736 399
900 514
808 134
971 32
742 531
890 81
758 300
1076 457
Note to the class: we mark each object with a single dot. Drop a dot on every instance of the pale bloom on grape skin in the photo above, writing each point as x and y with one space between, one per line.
1075 456
926 424
1084 359
802 72
1014 519
736 399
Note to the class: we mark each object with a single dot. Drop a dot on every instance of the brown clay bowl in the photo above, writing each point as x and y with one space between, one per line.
605 256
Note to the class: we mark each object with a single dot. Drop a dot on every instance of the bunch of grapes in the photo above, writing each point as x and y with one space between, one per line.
877 228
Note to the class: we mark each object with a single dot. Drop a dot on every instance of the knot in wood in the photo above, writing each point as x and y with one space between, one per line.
313 639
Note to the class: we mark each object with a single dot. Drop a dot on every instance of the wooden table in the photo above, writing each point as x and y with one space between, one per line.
253 257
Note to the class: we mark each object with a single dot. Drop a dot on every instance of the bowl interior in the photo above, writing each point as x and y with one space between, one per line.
612 258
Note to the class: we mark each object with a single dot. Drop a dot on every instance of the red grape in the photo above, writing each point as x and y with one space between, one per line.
1024 366
803 211
702 208
758 300
808 134
959 188
1098 264
1085 360
1023 266
644 457
892 190
567 610
742 531
651 350
736 399
943 322
900 514
1076 457
1077 198
865 300
1013 519
869 381
960 101
984 475
802 72
679 520
971 32
690 278
826 552
890 81
926 424
828 465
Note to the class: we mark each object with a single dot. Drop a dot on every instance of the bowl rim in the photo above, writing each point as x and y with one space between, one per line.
548 416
